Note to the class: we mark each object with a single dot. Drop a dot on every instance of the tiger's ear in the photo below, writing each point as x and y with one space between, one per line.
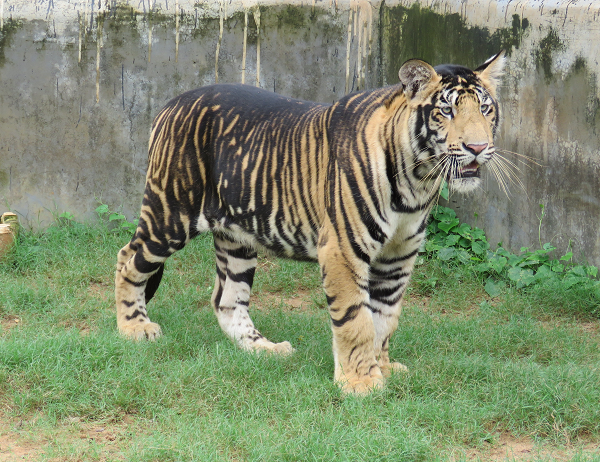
415 75
492 70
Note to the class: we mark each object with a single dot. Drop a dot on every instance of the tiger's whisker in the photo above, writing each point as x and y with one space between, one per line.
522 162
509 167
500 178
432 172
533 160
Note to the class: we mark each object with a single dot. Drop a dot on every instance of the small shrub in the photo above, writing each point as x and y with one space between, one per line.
454 243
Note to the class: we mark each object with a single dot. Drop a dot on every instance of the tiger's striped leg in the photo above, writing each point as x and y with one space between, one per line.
236 264
347 290
387 283
136 266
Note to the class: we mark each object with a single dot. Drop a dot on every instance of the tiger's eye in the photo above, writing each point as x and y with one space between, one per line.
446 110
485 108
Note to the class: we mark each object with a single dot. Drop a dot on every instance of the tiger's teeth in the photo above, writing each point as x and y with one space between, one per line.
471 169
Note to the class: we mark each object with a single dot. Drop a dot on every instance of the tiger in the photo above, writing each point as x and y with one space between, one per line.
349 185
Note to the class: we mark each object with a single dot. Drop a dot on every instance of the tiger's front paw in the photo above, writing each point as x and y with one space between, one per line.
282 348
392 368
361 385
141 330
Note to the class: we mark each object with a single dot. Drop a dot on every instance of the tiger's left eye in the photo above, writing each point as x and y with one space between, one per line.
446 110
485 108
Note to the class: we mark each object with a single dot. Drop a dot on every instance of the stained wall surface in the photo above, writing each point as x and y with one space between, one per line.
80 82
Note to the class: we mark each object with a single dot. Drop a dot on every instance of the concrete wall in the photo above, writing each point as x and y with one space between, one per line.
80 82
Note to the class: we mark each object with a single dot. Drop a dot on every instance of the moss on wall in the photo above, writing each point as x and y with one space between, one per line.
6 34
417 32
581 97
291 16
4 179
543 55
302 20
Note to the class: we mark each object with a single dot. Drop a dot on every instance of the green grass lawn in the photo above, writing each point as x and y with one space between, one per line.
515 377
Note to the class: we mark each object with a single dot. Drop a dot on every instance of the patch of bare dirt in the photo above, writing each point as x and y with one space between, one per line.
14 447
11 450
83 328
301 300
9 322
420 301
514 449
266 264
101 291
17 443
427 304
590 327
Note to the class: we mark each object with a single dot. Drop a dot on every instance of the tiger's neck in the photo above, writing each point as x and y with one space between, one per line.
408 192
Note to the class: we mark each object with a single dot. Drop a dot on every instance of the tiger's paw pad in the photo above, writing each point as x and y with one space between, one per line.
281 349
141 331
361 386
393 368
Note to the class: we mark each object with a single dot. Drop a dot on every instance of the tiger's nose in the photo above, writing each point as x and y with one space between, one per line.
477 148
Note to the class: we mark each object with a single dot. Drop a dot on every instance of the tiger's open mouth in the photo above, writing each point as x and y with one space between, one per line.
469 171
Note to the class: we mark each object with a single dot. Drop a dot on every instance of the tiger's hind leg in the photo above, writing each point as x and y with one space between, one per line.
140 265
236 265
131 278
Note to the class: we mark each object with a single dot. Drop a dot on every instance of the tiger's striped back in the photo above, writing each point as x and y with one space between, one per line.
242 166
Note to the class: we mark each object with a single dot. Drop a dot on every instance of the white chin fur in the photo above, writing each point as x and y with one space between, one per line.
464 185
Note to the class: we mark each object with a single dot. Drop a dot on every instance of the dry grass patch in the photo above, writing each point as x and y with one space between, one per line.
512 449
15 447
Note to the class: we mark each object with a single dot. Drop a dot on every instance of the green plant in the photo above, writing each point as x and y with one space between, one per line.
450 240
65 219
453 242
117 219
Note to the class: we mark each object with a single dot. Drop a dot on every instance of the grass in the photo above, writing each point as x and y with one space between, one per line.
486 374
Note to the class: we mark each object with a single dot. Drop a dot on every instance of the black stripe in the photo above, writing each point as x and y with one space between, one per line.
392 301
401 207
351 313
135 314
135 284
245 276
375 231
218 295
153 283
391 261
220 257
381 293
242 253
358 251
374 310
221 274
143 265
391 173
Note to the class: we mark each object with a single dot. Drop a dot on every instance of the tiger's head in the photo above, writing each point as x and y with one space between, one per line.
454 115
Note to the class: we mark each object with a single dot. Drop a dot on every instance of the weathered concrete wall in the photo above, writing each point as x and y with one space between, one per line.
80 82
